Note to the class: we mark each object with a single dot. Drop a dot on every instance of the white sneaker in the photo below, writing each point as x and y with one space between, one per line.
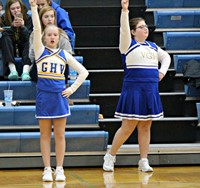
59 174
47 174
109 161
143 165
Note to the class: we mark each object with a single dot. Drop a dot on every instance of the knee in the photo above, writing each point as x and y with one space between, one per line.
59 136
144 128
45 136
127 131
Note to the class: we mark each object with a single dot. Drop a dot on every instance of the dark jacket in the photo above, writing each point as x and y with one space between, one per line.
24 32
191 73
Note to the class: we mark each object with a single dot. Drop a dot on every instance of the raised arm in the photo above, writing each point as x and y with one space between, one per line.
37 37
125 34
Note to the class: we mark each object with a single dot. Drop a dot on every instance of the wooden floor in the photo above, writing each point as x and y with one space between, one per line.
162 177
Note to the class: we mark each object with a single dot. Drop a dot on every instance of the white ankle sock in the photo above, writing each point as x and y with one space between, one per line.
26 69
59 167
48 168
12 67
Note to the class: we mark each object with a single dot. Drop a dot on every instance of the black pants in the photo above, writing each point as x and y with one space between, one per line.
9 48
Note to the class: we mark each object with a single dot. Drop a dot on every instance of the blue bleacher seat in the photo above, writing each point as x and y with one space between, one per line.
21 90
1 64
26 90
82 92
10 142
25 115
26 2
174 19
191 91
197 18
180 60
164 3
181 40
76 141
191 3
198 111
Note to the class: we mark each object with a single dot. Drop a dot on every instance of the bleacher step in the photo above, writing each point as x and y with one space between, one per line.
128 155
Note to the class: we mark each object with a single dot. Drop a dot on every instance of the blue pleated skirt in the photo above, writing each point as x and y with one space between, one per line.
139 101
51 105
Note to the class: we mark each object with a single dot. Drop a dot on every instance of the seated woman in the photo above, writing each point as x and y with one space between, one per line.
62 18
47 16
17 26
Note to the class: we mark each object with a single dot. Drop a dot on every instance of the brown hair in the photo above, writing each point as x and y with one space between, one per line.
8 17
43 11
134 21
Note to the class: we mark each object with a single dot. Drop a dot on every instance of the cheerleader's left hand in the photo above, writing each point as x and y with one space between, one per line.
67 92
161 76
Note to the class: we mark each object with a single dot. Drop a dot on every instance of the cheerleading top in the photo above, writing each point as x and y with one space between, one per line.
51 63
140 56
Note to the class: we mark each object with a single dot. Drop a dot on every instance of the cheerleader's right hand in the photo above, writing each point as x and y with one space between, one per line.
67 92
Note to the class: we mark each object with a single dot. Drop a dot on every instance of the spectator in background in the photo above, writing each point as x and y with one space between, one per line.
47 16
62 17
1 8
17 26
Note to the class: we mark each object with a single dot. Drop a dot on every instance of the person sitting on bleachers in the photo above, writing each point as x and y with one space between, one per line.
47 16
1 8
15 38
62 18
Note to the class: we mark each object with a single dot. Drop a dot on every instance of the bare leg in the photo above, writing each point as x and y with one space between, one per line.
45 141
59 134
144 135
122 135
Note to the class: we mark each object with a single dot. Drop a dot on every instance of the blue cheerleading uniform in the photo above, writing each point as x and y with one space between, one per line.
140 99
50 103
51 100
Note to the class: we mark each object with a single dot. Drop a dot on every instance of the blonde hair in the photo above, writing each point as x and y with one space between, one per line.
45 31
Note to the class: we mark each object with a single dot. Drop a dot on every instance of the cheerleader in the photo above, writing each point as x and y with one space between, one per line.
139 102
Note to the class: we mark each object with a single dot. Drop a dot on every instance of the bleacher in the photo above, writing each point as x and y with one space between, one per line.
174 140
177 28
20 135
179 127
